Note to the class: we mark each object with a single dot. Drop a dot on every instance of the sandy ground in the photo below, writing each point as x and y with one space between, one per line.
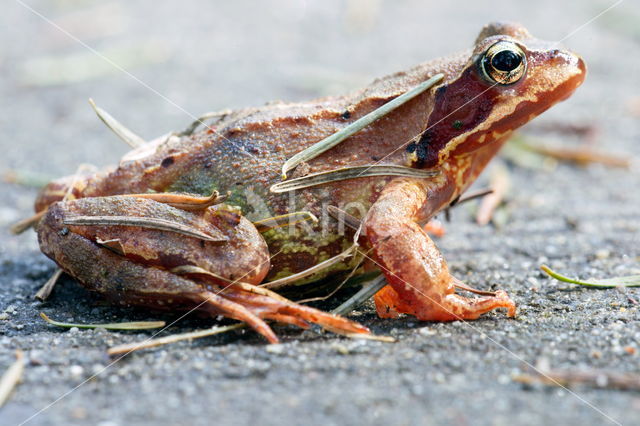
201 56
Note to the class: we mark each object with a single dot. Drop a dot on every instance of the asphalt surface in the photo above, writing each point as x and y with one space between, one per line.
202 56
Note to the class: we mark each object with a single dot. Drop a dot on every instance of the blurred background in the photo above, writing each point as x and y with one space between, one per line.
157 65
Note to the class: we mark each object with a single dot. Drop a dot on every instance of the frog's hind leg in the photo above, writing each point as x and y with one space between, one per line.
420 282
254 309
155 266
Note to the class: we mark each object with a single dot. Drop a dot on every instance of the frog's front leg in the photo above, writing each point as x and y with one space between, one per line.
142 252
419 280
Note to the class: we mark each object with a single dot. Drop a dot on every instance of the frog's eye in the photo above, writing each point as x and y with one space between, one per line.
503 63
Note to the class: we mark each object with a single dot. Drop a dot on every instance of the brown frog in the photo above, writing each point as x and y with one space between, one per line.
145 232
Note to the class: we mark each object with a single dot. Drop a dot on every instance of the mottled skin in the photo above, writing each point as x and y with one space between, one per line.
455 128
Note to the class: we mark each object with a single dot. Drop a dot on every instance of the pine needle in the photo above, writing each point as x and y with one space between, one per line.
136 325
151 343
11 377
625 281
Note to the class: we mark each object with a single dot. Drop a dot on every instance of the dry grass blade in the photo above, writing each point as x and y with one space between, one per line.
335 290
595 378
582 156
471 196
143 222
275 222
220 115
356 172
367 290
136 325
11 377
500 184
116 127
353 128
152 343
344 217
184 201
24 224
25 178
462 286
45 291
374 337
291 279
377 338
625 281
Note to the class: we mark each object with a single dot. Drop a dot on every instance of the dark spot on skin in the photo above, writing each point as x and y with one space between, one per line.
457 124
238 183
346 115
425 154
64 231
202 243
375 158
253 150
167 162
208 165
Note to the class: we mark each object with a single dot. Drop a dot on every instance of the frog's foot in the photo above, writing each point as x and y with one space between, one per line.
253 309
420 283
451 308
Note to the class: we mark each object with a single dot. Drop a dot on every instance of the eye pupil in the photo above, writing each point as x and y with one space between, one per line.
506 61
503 63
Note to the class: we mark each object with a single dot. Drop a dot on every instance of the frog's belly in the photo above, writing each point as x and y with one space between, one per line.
299 248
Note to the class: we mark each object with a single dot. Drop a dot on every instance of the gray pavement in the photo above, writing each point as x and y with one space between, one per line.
198 56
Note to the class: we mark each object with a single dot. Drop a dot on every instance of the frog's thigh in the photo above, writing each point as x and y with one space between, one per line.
419 279
106 272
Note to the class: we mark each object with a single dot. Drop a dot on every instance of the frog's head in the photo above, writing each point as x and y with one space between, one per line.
509 78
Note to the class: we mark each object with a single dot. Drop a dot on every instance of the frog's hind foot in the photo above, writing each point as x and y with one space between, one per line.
254 305
216 304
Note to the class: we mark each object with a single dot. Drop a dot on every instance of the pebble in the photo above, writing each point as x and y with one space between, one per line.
341 349
426 331
76 371
275 349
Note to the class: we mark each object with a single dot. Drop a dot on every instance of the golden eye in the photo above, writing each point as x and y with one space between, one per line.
504 63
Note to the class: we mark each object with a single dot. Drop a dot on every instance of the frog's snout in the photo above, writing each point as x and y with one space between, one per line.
571 64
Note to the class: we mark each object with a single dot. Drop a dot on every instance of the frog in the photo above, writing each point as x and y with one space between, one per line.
154 230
